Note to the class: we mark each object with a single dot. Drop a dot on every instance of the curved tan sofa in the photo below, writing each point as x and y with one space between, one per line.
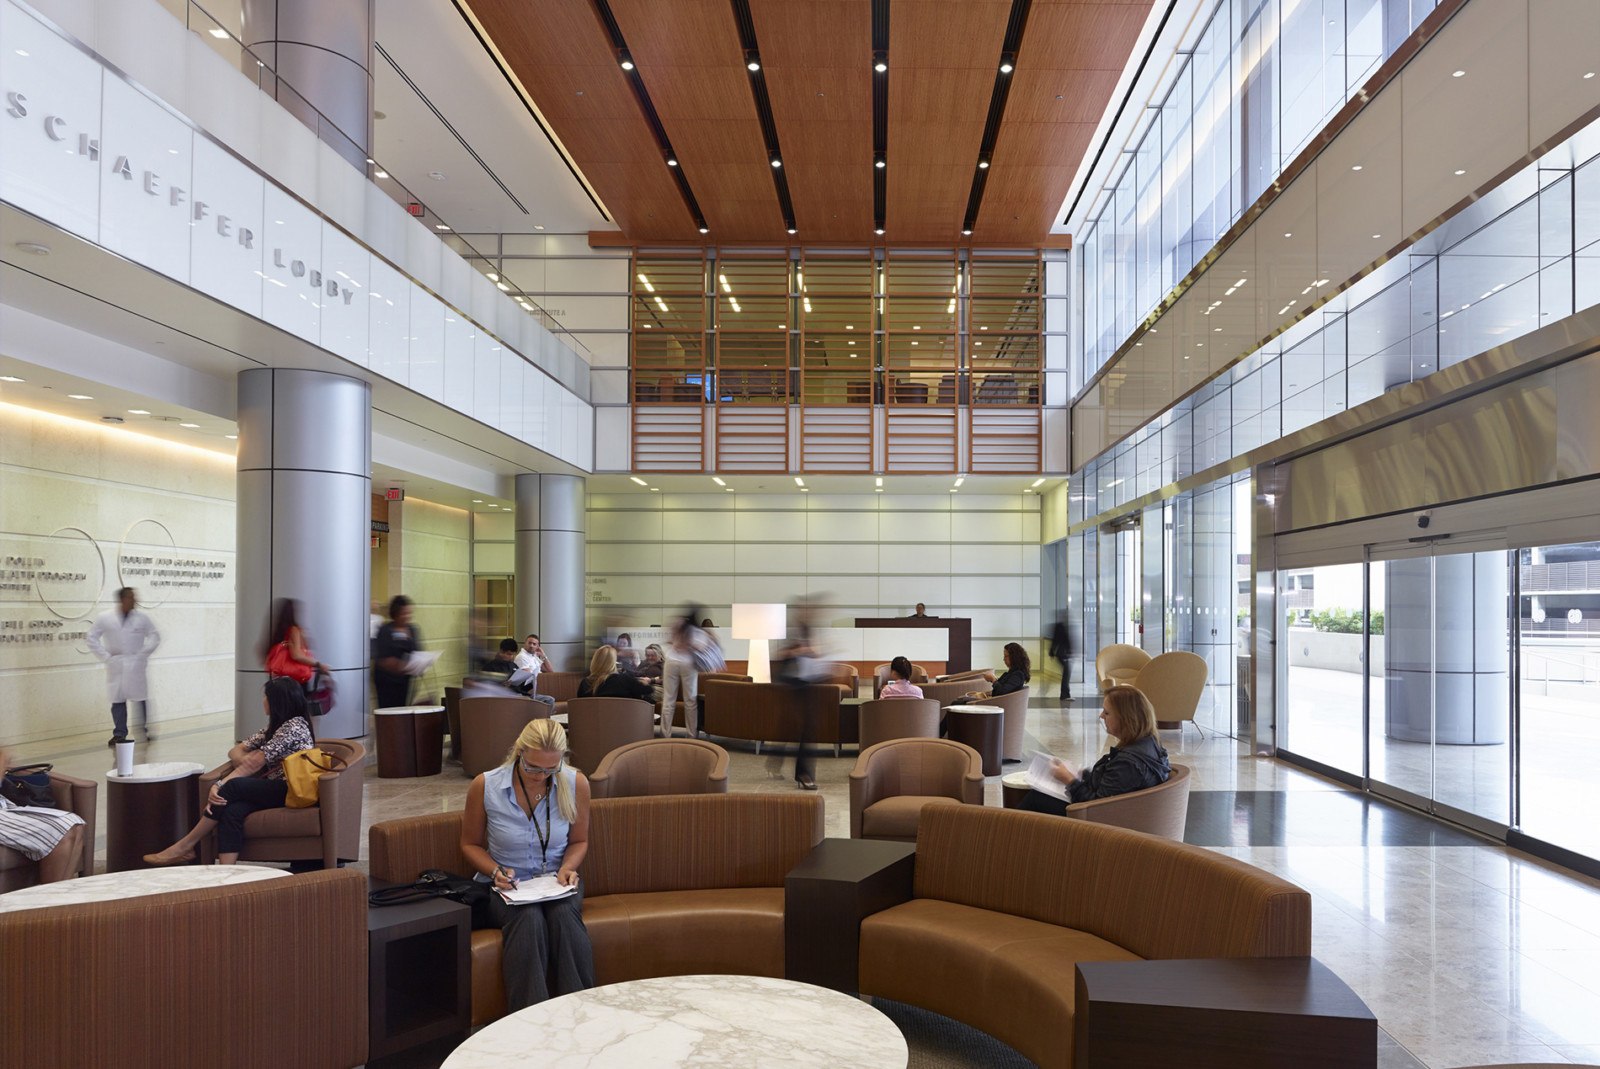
1006 903
673 885
270 974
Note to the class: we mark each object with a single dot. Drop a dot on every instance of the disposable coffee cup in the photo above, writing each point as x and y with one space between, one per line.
124 758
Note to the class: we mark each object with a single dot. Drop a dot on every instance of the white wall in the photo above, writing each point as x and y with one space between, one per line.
87 499
870 554
430 561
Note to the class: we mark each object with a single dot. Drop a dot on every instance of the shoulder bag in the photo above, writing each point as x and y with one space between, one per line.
303 771
29 785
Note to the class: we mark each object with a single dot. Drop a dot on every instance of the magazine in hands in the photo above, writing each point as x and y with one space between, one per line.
420 661
1042 780
538 889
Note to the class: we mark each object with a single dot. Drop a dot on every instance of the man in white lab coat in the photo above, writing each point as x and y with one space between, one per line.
123 639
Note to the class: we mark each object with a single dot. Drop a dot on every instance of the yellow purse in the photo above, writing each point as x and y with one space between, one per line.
303 771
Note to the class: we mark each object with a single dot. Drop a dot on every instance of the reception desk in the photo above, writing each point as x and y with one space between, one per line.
957 629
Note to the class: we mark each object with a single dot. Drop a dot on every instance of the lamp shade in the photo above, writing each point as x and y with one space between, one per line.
760 620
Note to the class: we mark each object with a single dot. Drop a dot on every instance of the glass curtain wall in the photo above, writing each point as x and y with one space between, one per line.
1260 80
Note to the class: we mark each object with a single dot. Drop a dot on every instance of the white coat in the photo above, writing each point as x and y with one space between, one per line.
125 645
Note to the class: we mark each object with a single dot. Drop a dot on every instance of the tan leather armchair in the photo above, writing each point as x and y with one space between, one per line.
1174 682
970 674
898 718
701 679
596 726
1160 810
947 694
893 781
1118 664
490 725
74 795
1015 721
880 676
661 766
841 675
329 831
562 686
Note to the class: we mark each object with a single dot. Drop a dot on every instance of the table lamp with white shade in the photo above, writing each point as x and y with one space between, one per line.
760 623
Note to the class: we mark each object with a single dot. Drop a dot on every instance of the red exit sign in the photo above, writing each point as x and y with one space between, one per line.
395 493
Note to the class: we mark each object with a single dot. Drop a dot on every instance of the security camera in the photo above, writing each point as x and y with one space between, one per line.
1423 520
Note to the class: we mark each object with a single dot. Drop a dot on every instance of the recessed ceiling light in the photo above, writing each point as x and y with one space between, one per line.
792 230
879 231
627 64
1587 76
440 226
380 174
705 230
881 164
80 397
34 248
1288 233
1458 74
638 480
878 481
1037 483
777 162
477 501
437 176
231 437
753 65
502 287
1355 167
672 161
718 481
11 378
960 479
1216 330
219 33
1375 237
881 66
23 52
138 411
1006 68
371 160
967 233
1460 171
879 490
191 426
799 481
983 165
655 489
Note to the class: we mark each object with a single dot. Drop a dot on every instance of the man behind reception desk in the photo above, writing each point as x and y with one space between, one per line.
921 613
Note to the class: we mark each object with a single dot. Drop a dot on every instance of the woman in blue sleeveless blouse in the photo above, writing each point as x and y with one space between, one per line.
530 817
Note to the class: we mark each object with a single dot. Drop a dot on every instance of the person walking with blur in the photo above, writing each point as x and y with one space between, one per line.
123 640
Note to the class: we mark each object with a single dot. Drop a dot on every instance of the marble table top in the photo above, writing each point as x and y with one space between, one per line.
407 710
134 883
973 709
1015 779
157 772
691 1021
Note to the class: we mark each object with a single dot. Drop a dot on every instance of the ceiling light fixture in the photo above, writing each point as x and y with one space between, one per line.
191 426
1375 237
80 397
231 437
718 481
882 65
11 378
881 164
1460 171
33 248
1355 167
799 481
380 174
493 277
752 66
879 231
878 481
792 230
960 479
437 176
1288 234
1006 68
777 162
705 230
1586 76
219 33
638 480
1037 483
440 226
983 165
672 161
1458 74
138 411
627 64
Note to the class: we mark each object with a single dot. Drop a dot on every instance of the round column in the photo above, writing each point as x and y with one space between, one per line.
304 527
1458 649
552 542
322 52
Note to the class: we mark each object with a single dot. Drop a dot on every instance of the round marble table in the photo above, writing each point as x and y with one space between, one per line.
134 883
410 740
1013 789
148 810
691 1021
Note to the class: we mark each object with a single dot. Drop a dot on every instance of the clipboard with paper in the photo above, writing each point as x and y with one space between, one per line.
537 889
1042 780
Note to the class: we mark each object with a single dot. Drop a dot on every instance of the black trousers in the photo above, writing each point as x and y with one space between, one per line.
394 689
1066 678
1039 802
245 795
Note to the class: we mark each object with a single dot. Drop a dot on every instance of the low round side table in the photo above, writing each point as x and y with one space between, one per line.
410 740
148 810
1013 789
981 727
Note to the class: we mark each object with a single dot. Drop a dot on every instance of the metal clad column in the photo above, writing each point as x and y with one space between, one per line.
552 540
304 528
322 52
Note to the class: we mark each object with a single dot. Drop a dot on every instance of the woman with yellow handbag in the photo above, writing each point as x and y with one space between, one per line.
256 780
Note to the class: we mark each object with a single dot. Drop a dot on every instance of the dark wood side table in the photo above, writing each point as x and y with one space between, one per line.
419 973
981 727
149 810
410 740
825 898
1211 1013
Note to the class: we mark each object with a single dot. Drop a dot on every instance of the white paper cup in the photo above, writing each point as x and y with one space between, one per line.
124 758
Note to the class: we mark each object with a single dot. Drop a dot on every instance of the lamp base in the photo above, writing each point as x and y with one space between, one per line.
760 663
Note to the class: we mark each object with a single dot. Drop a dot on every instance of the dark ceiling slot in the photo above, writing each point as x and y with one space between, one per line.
608 22
880 113
758 91
1015 24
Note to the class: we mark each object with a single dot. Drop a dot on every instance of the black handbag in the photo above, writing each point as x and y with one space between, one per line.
29 785
437 883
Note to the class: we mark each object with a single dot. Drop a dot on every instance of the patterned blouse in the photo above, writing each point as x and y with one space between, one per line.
292 737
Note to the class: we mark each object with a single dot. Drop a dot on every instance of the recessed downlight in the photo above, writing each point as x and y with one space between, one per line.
138 411
638 480
983 165
776 162
967 233
190 426
753 66
879 231
1006 68
883 65
705 230
672 161
11 378
80 397
881 164
627 64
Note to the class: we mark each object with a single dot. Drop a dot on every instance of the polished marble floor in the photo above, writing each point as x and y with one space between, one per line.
1468 953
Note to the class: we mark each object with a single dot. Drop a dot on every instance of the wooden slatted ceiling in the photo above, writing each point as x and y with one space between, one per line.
818 61
942 60
1073 50
689 56
558 51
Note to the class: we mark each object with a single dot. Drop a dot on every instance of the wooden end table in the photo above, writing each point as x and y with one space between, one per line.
410 740
1221 1013
825 898
419 973
148 810
981 727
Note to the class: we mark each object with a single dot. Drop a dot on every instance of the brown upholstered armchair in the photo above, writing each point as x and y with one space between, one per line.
840 675
329 831
898 718
701 679
74 795
894 780
880 676
562 686
490 725
661 766
1160 810
596 726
